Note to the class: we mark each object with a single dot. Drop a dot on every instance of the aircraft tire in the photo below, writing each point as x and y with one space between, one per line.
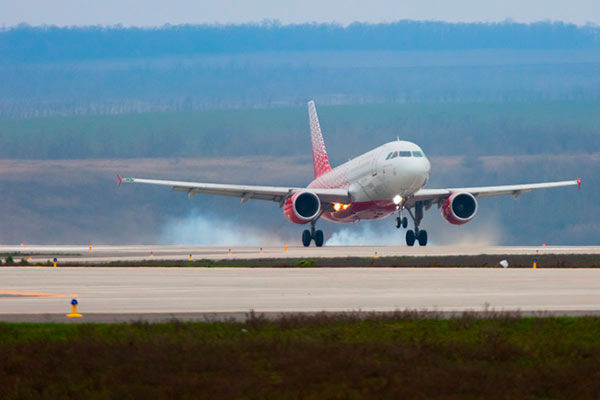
410 237
398 222
319 238
306 238
422 238
404 222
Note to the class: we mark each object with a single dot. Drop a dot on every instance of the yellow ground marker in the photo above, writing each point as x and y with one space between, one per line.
376 255
90 249
534 263
285 249
229 252
260 251
55 262
74 313
190 257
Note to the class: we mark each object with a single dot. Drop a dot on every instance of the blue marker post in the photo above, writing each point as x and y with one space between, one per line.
74 313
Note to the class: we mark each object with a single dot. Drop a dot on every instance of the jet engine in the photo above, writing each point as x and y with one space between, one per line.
459 208
302 207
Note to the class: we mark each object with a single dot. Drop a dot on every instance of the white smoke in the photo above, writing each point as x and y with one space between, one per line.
366 233
478 236
207 230
483 230
210 230
480 232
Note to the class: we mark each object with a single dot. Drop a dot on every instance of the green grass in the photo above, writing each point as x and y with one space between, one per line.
475 261
323 356
485 128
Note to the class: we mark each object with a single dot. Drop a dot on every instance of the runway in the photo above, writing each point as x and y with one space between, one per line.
42 294
103 254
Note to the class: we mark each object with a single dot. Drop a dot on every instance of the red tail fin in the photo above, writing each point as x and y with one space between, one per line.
320 160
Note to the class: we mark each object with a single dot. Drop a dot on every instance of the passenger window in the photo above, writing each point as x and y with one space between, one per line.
389 155
404 154
417 154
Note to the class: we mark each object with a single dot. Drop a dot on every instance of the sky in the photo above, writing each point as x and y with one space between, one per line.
160 12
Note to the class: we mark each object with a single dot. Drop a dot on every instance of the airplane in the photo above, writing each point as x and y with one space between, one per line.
389 179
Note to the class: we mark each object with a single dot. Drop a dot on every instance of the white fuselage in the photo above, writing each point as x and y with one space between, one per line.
375 178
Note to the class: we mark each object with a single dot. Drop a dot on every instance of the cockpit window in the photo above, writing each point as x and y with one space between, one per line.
404 154
389 155
417 154
395 154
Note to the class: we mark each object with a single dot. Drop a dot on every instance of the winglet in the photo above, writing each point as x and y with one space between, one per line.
578 183
120 180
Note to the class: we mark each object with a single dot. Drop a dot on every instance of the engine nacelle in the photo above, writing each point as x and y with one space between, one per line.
302 207
459 208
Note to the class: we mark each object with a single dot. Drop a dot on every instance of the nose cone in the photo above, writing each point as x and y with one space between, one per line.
415 165
412 174
422 171
427 168
426 165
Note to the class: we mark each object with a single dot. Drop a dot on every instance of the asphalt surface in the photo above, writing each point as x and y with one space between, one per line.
116 294
100 254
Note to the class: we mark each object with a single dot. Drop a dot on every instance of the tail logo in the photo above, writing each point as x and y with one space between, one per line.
320 159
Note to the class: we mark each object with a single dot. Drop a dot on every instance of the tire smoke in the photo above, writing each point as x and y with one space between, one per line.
209 230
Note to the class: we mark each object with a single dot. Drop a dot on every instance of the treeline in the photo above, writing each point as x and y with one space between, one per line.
36 44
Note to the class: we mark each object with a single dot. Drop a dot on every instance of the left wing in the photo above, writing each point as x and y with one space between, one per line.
430 196
277 194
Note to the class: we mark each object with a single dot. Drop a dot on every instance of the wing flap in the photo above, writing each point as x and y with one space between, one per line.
246 192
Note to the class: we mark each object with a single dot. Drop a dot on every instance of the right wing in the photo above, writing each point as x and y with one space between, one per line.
430 196
277 194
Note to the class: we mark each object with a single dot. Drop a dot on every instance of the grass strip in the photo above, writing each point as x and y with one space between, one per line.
471 261
404 355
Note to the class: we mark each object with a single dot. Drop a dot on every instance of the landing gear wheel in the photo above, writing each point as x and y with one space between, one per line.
319 238
401 222
422 238
410 237
306 238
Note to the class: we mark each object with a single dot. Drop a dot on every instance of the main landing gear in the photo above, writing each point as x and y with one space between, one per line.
317 235
418 235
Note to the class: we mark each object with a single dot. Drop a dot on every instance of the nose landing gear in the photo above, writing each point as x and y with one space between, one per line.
317 235
401 222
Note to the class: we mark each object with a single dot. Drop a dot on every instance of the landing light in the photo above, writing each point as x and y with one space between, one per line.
397 199
339 206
